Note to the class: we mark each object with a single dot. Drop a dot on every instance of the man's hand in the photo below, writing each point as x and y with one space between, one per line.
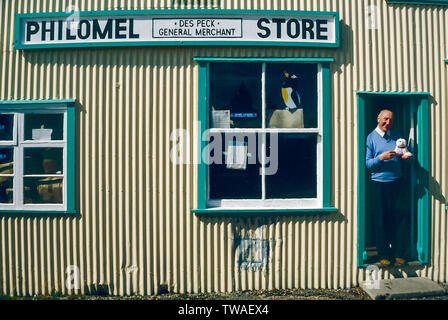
387 155
406 157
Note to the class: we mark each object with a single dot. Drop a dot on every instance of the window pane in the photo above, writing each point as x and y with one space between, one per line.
44 126
6 160
296 175
43 160
234 171
6 127
235 88
291 95
6 189
42 190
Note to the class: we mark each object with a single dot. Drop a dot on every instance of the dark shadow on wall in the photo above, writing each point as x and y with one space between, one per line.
427 182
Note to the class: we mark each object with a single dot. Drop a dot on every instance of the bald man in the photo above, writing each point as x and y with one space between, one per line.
386 174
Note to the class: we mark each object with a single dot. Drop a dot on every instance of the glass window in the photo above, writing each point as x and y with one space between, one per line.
235 98
235 172
33 164
6 127
296 174
265 135
44 126
43 161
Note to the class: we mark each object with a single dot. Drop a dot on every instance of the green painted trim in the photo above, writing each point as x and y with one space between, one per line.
420 2
423 159
326 134
40 212
395 93
361 257
203 116
177 11
423 202
71 156
263 212
18 45
446 60
223 59
69 102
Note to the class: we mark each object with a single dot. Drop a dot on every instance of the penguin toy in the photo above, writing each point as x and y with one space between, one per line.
290 92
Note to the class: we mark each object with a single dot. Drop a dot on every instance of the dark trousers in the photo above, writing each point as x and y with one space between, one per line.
391 218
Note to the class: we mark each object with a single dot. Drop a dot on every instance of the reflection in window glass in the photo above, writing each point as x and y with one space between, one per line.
42 190
6 189
6 127
44 126
236 88
296 175
291 95
43 160
237 175
6 161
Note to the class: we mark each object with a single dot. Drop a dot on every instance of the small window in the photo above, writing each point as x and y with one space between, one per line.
34 164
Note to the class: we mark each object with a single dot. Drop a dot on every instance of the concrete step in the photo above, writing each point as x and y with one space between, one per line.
403 288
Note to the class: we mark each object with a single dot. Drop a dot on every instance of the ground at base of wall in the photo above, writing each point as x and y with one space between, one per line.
293 294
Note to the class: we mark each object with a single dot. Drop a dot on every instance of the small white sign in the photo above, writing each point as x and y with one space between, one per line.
236 155
41 134
221 118
197 28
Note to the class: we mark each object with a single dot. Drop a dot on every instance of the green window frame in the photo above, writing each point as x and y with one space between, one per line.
421 2
20 108
203 116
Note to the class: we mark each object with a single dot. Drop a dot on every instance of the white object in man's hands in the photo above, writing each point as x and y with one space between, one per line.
401 148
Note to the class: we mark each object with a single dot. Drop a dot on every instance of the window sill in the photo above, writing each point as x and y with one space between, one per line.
262 211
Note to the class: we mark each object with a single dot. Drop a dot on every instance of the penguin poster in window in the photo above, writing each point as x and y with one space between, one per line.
291 92
292 115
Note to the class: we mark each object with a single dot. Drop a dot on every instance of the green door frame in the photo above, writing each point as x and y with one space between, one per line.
421 100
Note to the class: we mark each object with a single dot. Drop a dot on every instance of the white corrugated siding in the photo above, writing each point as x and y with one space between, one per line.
135 231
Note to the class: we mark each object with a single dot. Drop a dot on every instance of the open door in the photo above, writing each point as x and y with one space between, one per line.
411 121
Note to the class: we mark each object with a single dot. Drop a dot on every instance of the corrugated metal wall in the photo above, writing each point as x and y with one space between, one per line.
135 231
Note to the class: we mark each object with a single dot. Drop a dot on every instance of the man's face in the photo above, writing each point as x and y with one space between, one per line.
385 120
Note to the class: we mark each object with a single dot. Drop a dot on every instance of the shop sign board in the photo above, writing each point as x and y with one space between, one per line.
176 27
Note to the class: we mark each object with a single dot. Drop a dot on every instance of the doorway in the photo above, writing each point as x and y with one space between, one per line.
411 122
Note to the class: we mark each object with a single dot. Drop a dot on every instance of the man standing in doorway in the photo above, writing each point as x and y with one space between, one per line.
386 174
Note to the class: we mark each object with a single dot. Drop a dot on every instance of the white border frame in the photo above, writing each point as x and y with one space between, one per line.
19 144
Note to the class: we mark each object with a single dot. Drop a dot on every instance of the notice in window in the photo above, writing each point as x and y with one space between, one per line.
237 156
221 118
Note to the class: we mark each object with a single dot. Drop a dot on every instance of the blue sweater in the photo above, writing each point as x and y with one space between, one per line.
382 170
